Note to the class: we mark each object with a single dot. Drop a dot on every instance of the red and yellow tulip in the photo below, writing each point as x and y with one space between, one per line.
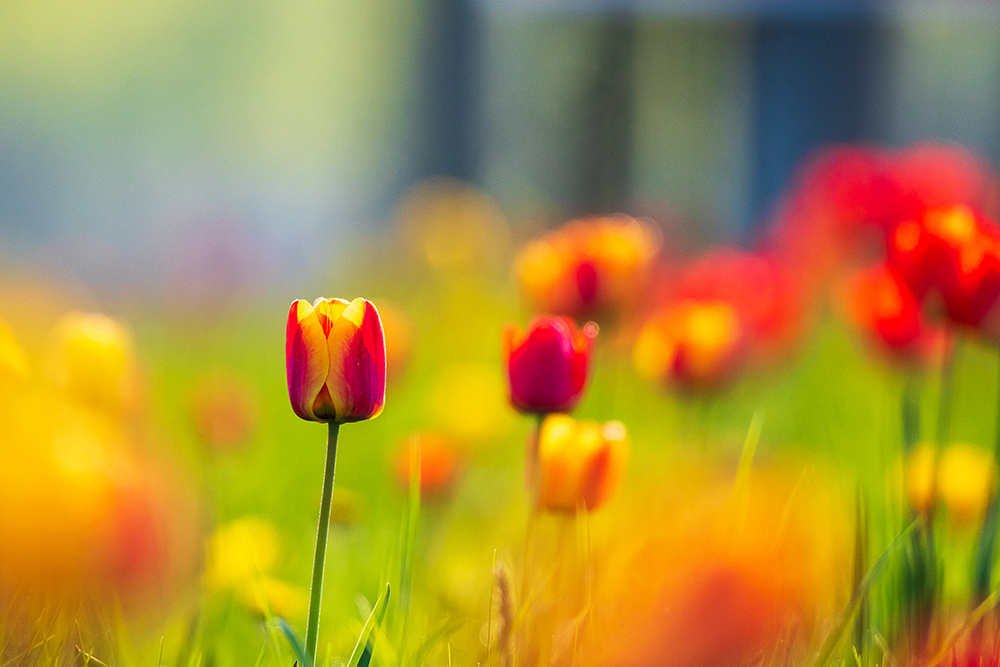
691 344
580 462
335 359
593 267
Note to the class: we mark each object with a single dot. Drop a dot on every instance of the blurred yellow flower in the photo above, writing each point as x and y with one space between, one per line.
965 477
241 551
272 597
94 361
452 225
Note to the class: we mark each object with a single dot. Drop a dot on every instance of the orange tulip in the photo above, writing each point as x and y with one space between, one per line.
693 344
335 359
580 463
594 267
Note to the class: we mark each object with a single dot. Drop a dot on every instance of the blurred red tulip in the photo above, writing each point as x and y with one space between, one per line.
224 411
547 367
881 303
764 292
954 254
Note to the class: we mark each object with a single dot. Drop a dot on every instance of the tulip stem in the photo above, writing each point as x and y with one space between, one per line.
319 559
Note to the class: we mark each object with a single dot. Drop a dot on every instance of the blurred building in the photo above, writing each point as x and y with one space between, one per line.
126 125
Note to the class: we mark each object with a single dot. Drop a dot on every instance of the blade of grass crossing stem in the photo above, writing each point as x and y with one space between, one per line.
298 648
361 655
973 619
859 593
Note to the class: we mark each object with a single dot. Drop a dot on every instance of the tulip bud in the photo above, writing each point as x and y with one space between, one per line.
580 463
335 360
547 366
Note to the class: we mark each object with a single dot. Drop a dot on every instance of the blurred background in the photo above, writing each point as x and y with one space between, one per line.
146 143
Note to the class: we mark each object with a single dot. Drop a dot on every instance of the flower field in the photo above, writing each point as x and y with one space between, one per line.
599 441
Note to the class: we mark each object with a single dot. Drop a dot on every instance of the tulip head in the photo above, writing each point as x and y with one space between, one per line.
547 366
691 345
884 307
593 267
335 360
580 463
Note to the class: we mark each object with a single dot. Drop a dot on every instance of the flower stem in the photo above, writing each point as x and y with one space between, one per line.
319 559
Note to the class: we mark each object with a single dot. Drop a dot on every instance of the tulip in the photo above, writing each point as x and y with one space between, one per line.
335 360
953 252
884 306
437 458
594 267
547 366
692 344
580 463
763 290
223 411
335 355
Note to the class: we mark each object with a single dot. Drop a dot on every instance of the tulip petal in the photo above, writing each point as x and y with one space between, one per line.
306 358
356 380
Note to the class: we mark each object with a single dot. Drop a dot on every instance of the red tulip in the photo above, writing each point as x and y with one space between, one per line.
955 253
335 358
547 366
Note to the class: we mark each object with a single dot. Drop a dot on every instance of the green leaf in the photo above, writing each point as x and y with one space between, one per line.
293 638
362 653
860 592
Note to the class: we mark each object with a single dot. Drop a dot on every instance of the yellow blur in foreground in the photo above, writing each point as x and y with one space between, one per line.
720 575
82 515
241 556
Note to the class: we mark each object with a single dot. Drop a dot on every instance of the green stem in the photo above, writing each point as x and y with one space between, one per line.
988 534
944 399
319 559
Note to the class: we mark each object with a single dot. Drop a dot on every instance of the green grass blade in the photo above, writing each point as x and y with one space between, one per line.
860 592
363 646
293 638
